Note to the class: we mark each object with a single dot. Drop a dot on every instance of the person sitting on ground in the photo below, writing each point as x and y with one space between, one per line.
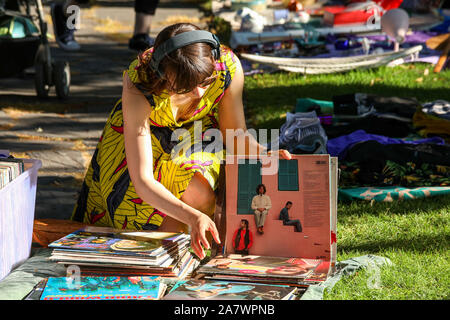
136 178
261 204
242 239
284 215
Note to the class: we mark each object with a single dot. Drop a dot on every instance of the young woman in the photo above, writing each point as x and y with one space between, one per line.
136 179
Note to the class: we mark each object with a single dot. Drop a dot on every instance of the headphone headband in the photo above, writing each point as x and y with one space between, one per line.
181 40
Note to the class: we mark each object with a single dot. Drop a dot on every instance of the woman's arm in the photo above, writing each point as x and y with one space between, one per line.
231 116
138 150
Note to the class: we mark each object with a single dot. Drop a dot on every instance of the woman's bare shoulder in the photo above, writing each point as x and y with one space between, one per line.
128 85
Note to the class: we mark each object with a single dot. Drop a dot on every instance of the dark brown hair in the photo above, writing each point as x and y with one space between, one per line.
259 186
187 67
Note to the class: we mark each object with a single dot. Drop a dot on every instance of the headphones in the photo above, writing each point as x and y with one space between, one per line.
181 40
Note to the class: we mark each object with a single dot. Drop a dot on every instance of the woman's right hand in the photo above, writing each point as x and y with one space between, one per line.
200 225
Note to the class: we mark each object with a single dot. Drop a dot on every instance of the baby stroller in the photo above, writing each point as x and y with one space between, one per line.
23 45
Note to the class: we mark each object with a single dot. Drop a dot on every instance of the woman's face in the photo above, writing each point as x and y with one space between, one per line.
198 92
195 93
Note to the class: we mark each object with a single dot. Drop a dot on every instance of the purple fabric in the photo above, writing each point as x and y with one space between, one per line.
339 146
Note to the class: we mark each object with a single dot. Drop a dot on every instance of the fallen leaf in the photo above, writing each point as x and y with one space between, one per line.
419 79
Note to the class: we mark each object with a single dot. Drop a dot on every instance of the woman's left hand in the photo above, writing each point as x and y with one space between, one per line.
283 154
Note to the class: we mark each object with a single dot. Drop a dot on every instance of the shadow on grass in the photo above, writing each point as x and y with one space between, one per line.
265 104
417 243
402 207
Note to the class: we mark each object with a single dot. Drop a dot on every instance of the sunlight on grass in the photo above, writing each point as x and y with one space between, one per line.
414 235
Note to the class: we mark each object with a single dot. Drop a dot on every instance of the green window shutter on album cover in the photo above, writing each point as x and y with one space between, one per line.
249 177
288 175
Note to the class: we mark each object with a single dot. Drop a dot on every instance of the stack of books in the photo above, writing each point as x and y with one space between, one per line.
10 169
296 272
102 251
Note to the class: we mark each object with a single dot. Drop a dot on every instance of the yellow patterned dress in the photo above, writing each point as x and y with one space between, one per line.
108 197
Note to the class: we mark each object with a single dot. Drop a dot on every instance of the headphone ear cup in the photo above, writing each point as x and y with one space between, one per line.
155 68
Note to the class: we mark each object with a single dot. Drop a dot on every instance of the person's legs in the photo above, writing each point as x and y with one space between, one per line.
142 23
64 34
198 195
257 218
263 219
296 223
144 11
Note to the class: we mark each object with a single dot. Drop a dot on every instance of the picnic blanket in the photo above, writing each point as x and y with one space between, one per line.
389 194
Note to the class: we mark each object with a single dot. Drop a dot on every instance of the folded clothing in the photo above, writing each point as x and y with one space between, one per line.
438 108
358 105
338 147
373 124
430 125
303 133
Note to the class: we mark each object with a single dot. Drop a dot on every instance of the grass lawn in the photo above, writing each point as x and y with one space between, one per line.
414 235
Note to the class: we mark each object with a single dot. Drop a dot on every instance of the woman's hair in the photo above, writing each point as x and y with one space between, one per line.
259 186
186 67
246 222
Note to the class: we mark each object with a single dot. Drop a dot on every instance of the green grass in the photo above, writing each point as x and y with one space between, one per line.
268 97
414 234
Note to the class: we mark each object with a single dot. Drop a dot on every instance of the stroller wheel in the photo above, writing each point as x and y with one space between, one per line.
61 78
40 80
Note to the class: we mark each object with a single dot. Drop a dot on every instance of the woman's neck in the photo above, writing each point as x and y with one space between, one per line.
181 105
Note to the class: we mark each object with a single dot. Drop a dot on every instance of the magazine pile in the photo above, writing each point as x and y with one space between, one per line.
99 251
298 251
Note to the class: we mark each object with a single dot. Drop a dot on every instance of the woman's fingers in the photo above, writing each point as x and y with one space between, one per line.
215 233
286 154
198 250
282 154
198 236
203 241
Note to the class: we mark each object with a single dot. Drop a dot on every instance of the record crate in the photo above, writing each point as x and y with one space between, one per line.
17 205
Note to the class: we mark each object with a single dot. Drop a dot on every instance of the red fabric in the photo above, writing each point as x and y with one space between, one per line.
242 241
